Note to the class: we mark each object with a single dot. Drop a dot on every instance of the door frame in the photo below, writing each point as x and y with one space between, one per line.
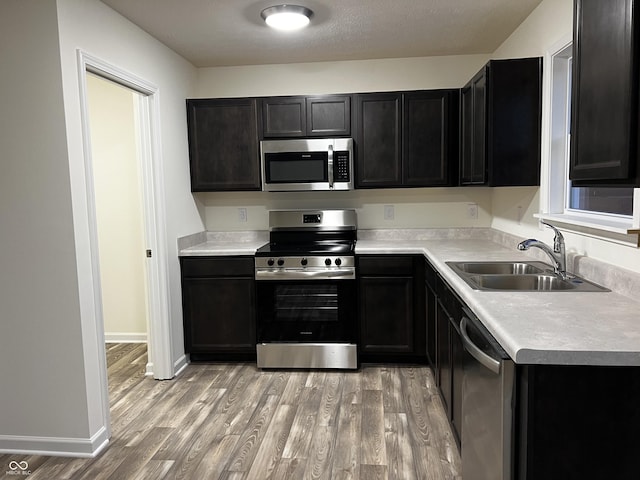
160 364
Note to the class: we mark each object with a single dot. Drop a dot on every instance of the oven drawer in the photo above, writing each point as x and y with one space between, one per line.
217 266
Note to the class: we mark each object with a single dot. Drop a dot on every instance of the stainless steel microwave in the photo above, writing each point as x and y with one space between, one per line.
307 164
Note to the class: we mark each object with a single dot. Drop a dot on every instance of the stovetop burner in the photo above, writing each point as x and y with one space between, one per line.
346 247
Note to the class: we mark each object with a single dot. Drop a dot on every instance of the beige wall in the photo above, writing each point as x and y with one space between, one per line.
118 209
339 77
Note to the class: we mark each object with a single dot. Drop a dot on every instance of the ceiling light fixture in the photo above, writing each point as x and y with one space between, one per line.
287 17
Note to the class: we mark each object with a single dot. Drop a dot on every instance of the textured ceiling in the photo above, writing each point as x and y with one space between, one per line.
230 32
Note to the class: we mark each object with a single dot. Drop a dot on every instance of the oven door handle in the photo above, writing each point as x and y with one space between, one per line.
343 274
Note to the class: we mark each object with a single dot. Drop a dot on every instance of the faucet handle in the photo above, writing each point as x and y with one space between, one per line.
558 241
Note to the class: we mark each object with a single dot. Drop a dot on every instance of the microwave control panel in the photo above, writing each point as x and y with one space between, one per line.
341 171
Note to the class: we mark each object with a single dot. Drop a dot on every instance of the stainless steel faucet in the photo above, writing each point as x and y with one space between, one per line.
557 254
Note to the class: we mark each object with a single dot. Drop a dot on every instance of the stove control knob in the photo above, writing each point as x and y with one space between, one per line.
304 262
338 262
280 262
327 262
270 262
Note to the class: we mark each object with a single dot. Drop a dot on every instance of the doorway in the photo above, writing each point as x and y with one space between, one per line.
112 110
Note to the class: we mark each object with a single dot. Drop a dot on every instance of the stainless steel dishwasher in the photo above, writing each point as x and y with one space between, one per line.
487 404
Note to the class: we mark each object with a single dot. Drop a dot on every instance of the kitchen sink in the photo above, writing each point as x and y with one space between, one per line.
503 268
519 276
522 282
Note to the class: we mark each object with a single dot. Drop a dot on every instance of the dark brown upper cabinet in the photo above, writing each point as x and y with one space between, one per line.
500 124
430 138
317 116
604 105
406 139
223 144
378 140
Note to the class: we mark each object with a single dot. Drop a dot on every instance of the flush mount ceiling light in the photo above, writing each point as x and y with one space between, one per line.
287 17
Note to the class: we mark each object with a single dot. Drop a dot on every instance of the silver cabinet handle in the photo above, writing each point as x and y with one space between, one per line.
487 361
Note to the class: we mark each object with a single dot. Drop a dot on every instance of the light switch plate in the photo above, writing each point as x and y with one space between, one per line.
389 212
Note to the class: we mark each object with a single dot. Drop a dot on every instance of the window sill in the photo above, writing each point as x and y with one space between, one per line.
617 231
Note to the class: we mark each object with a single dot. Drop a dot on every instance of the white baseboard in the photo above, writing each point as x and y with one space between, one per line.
54 446
125 337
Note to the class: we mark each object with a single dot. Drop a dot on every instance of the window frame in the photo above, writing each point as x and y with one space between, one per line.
555 183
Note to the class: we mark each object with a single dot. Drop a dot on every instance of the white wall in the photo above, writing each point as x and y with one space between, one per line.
550 22
117 183
52 396
93 27
42 382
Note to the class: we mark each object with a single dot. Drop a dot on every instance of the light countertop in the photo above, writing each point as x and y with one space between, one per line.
563 327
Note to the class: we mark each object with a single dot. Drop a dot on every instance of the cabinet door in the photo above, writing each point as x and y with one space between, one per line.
466 135
457 375
284 117
605 93
514 122
443 356
479 149
328 115
430 312
386 314
378 140
219 315
223 144
474 120
428 130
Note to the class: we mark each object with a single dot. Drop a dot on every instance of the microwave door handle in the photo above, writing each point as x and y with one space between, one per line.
330 166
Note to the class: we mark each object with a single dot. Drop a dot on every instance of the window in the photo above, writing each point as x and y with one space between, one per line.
602 208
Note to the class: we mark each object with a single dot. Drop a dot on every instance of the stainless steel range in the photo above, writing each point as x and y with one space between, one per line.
306 290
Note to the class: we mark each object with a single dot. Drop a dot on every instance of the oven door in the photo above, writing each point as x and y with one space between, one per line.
306 311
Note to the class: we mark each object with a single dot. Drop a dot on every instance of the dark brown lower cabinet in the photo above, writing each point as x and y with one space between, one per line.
218 298
430 305
578 422
570 422
449 354
391 308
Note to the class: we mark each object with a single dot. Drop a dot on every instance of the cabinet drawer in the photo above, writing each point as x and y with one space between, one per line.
217 266
385 265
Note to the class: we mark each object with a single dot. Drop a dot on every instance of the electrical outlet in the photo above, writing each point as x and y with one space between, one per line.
242 214
389 212
472 211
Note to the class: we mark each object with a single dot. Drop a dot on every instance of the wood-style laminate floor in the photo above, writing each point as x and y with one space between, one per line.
236 422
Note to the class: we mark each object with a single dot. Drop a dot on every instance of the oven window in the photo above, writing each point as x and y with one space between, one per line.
314 303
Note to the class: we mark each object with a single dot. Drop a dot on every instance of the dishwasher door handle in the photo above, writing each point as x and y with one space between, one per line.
486 360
